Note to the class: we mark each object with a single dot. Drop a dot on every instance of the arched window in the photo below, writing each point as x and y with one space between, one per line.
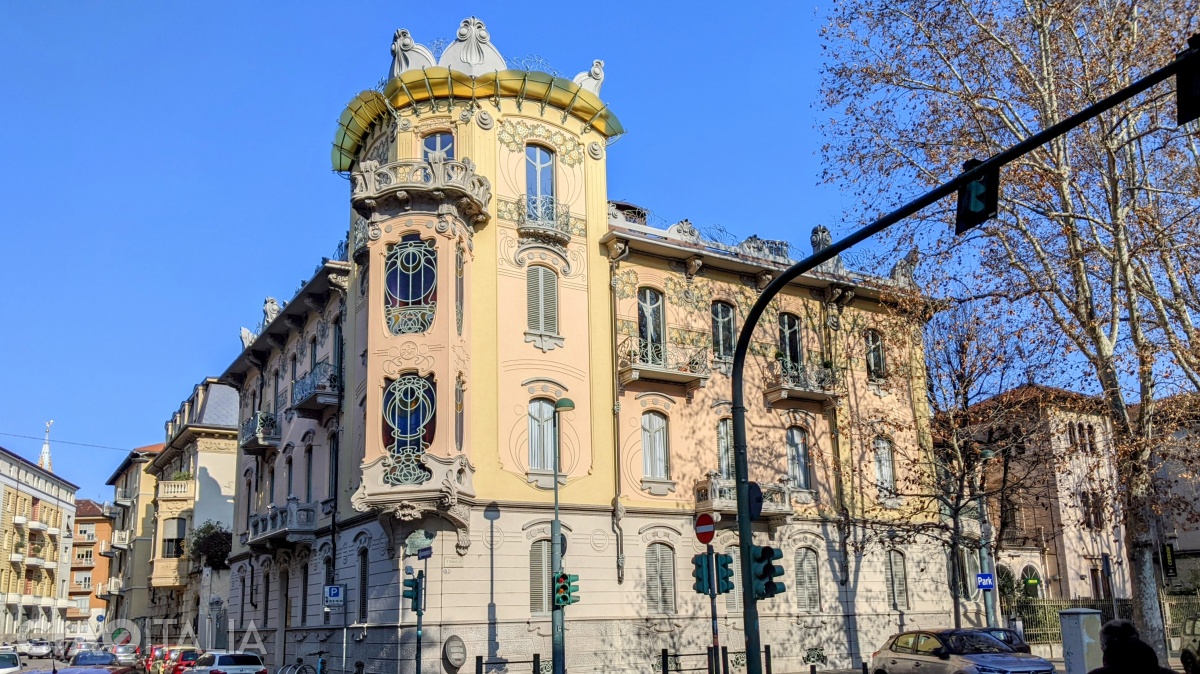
876 358
312 353
885 467
410 285
543 436
440 142
242 607
723 335
1071 439
808 586
539 184
1081 433
799 461
409 415
791 349
288 472
897 580
275 377
1091 439
248 496
541 302
655 448
331 470
1018 437
1031 582
652 327
540 593
660 579
1006 582
967 565
725 448
293 368
308 474
364 580
733 599
270 485
285 596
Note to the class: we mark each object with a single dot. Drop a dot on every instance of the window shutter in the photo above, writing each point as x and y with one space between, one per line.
533 281
653 580
897 580
733 600
666 568
539 577
807 586
549 301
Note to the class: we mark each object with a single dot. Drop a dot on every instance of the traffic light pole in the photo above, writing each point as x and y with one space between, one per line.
557 627
710 558
420 614
741 470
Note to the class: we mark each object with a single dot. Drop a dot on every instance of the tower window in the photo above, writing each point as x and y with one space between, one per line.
441 142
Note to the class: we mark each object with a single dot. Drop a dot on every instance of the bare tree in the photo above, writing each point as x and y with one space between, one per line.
1096 240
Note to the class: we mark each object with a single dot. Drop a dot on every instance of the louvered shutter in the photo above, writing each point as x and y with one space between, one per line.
733 599
533 282
897 579
549 301
808 591
653 579
539 577
666 569
541 286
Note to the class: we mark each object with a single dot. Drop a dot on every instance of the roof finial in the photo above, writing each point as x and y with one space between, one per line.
44 459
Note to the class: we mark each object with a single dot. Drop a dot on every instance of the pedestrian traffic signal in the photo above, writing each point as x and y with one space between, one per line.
412 592
700 572
724 573
565 589
978 200
765 571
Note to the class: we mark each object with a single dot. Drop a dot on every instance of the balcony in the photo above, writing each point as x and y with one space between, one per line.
34 560
316 391
28 600
53 531
80 588
12 598
259 434
84 562
38 525
279 527
125 497
641 359
16 558
46 602
717 495
448 181
120 540
543 219
1023 537
168 572
62 604
20 520
801 381
184 490
106 549
109 590
50 565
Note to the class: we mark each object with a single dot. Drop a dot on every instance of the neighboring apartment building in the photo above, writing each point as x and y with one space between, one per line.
493 306
131 545
89 569
37 507
1062 514
194 476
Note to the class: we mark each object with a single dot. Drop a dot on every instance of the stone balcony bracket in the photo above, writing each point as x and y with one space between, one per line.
400 186
447 493
645 360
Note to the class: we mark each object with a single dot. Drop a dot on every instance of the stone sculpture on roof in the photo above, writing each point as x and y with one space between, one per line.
270 311
820 240
591 79
472 51
902 273
408 55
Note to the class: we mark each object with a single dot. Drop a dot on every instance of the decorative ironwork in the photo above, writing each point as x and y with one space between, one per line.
453 178
410 285
340 252
322 379
716 494
460 396
661 355
533 62
544 219
409 415
259 431
803 376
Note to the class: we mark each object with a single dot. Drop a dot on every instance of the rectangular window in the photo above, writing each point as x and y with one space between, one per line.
83 604
304 594
332 467
723 336
725 449
541 300
266 607
87 532
83 580
328 581
308 470
174 533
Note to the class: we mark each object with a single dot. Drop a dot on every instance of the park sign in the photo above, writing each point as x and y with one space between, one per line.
985 581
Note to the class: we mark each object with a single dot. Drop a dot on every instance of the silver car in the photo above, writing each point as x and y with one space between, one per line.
953 652
127 654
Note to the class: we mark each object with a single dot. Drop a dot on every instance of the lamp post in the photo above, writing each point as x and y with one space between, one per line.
558 653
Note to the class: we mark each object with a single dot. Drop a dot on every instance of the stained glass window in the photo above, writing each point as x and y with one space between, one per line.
651 327
410 278
409 416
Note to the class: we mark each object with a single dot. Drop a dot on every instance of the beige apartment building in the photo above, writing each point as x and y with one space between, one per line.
194 483
131 545
89 569
37 508
492 306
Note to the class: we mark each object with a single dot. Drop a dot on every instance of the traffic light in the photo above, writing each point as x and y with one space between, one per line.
724 573
700 572
1187 86
978 200
565 589
412 591
765 571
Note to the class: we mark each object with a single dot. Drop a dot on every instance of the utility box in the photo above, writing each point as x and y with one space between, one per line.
1081 640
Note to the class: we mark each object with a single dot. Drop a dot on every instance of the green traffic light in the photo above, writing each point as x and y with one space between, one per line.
724 574
766 571
703 584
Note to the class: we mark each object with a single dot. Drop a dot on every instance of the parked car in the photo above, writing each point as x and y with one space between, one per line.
180 659
78 646
10 662
127 654
39 648
97 662
152 656
21 647
1189 647
217 662
1009 637
60 648
952 651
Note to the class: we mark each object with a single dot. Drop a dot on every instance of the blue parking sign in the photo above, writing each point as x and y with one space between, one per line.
333 596
985 581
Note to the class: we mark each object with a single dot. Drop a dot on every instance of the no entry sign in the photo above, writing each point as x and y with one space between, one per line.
704 528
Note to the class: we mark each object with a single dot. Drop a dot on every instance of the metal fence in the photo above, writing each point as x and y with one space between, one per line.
1042 626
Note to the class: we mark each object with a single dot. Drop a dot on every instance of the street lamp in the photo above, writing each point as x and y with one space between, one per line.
558 653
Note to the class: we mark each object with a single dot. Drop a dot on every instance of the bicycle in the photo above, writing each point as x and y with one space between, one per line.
301 668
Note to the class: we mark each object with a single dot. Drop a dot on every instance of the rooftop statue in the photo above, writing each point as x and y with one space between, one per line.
270 311
247 337
591 79
472 51
821 239
408 55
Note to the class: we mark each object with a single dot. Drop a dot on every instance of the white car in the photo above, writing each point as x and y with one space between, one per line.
10 662
21 647
228 663
39 648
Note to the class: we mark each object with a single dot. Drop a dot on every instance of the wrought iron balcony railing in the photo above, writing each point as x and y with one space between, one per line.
643 359
787 380
544 218
259 433
452 180
294 523
718 495
316 391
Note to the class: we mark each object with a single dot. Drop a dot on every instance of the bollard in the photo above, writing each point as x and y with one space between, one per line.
866 668
537 663
666 661
479 664
710 660
767 656
812 669
725 659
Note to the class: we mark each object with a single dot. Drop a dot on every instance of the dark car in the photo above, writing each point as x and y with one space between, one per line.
1189 647
89 662
1008 637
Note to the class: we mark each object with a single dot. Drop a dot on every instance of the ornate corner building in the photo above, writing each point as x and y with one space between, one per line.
410 396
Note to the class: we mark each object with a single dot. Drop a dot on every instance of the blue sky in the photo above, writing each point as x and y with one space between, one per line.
167 167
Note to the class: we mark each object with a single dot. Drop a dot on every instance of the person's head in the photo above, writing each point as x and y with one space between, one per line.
1117 630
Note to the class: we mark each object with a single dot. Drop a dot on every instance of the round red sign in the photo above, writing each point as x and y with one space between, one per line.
704 528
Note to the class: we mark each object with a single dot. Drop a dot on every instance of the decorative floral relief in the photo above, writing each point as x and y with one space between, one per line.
696 295
626 327
515 134
507 210
626 284
684 337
